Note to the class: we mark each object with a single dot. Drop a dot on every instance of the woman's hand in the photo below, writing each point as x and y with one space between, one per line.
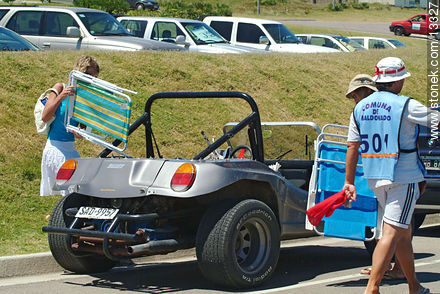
67 91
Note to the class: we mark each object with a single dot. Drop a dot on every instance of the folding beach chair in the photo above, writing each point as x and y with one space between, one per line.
102 108
357 222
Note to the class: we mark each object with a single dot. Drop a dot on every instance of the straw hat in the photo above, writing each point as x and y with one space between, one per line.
359 81
390 69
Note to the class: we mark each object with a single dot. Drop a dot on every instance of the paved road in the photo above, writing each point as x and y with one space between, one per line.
370 27
311 265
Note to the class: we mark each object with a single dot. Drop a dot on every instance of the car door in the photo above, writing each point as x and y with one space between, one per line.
27 24
419 25
136 27
224 28
325 42
378 44
53 33
362 41
249 34
166 31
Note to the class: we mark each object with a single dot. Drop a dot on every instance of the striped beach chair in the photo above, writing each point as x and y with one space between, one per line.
102 108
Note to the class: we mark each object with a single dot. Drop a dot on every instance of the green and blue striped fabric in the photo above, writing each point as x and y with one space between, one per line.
102 111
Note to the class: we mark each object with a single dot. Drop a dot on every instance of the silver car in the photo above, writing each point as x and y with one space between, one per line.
63 28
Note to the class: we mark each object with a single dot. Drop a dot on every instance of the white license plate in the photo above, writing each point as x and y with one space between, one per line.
431 163
96 212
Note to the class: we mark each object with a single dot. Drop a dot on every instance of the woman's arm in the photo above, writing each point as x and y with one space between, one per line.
54 101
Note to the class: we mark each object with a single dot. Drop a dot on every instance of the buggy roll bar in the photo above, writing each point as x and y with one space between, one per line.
252 120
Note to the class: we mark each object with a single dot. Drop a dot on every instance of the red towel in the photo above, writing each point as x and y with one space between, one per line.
325 207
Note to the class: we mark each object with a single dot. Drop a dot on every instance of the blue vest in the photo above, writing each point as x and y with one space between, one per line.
378 118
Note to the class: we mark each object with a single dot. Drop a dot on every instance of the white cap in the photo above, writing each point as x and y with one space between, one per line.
390 69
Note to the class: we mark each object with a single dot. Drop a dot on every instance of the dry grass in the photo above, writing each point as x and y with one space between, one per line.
286 87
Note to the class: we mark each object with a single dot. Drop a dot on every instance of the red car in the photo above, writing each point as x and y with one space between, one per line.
423 24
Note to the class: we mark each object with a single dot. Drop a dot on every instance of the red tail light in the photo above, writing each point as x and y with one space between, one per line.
66 171
184 177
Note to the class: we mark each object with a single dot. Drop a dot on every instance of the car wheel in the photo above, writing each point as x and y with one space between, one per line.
418 220
60 245
437 35
140 6
399 31
238 247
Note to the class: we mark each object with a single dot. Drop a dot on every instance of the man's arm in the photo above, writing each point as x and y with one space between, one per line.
350 169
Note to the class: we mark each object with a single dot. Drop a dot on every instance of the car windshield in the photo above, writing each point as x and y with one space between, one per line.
10 41
349 44
201 33
102 24
281 34
396 43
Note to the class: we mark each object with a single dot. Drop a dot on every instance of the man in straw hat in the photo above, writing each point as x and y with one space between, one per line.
385 127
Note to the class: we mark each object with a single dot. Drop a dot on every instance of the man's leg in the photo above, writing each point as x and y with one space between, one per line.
383 253
405 255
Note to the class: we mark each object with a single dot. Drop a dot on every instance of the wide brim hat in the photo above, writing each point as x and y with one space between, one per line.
390 69
360 81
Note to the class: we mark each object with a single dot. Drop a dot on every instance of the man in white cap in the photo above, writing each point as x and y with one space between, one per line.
385 126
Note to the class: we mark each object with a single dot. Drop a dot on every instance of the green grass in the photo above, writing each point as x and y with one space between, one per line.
286 87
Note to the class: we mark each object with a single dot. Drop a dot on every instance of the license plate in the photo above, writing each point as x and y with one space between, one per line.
96 212
431 163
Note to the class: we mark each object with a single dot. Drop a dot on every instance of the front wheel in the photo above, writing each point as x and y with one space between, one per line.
238 247
399 31
60 245
140 6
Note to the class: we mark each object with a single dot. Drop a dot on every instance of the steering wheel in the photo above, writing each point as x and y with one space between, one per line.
244 152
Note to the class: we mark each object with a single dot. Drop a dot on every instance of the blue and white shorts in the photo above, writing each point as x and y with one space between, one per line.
397 202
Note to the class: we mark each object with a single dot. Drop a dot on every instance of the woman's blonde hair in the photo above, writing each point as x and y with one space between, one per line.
84 62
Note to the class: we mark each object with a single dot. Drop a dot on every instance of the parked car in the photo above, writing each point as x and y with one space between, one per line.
64 28
143 4
193 35
423 24
377 43
263 34
337 42
11 41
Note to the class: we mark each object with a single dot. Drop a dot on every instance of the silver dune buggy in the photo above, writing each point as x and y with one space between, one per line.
234 201
226 202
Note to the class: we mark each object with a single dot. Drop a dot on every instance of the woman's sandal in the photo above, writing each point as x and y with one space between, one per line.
366 271
389 275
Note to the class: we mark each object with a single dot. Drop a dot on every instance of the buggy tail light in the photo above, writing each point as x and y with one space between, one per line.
184 177
66 171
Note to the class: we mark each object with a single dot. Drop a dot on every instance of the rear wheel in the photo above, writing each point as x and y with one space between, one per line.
60 245
238 247
140 6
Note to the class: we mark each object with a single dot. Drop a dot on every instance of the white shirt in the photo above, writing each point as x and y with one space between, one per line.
407 170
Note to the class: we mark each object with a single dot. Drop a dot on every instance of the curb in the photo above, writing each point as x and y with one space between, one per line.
28 264
44 263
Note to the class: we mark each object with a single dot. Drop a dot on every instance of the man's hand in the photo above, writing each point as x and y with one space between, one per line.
350 191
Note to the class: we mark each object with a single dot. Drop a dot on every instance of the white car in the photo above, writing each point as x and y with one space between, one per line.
193 35
73 28
340 43
377 43
262 34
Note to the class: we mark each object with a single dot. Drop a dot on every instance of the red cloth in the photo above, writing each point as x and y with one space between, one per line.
325 207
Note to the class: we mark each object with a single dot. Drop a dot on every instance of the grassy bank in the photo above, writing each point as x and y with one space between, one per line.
287 87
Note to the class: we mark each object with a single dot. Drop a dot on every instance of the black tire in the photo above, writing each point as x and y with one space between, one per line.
399 31
140 6
238 247
419 218
60 245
